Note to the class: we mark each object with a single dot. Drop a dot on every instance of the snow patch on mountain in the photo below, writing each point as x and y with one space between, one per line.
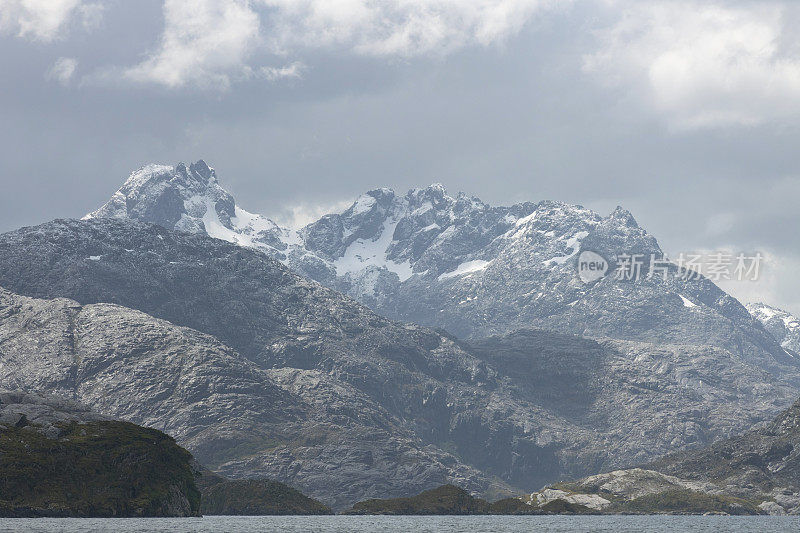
467 267
574 244
363 204
365 253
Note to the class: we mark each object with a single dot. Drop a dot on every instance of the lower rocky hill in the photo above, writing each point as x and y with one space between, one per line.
763 463
755 473
59 459
447 499
452 500
641 491
444 500
253 497
301 427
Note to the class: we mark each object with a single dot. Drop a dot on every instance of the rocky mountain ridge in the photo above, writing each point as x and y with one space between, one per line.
302 427
472 269
260 372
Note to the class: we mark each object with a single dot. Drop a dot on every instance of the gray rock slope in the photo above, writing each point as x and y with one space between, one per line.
760 467
43 412
641 399
301 426
260 372
459 264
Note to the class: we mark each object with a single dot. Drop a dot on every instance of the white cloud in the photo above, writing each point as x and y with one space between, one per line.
702 64
398 27
300 215
205 43
62 70
774 285
45 20
293 70
211 43
91 15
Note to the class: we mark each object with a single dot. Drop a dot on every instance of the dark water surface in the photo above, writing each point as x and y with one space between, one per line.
408 524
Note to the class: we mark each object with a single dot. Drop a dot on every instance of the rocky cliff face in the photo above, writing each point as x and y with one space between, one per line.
260 372
472 269
57 458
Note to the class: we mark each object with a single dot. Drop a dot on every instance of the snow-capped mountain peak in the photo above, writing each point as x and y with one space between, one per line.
784 326
189 198
458 263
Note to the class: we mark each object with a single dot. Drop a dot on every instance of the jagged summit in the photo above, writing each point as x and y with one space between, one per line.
783 325
380 234
189 198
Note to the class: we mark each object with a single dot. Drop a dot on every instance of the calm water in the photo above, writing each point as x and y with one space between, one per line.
404 524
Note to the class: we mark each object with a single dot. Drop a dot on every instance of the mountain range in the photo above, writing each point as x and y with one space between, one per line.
407 342
461 265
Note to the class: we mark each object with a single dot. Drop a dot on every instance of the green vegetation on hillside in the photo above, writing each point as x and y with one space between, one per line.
256 497
452 500
686 501
444 500
103 469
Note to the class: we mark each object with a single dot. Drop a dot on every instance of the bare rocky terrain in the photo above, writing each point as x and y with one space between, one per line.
260 372
757 472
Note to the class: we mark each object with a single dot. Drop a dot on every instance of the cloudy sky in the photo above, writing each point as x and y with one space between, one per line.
685 112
